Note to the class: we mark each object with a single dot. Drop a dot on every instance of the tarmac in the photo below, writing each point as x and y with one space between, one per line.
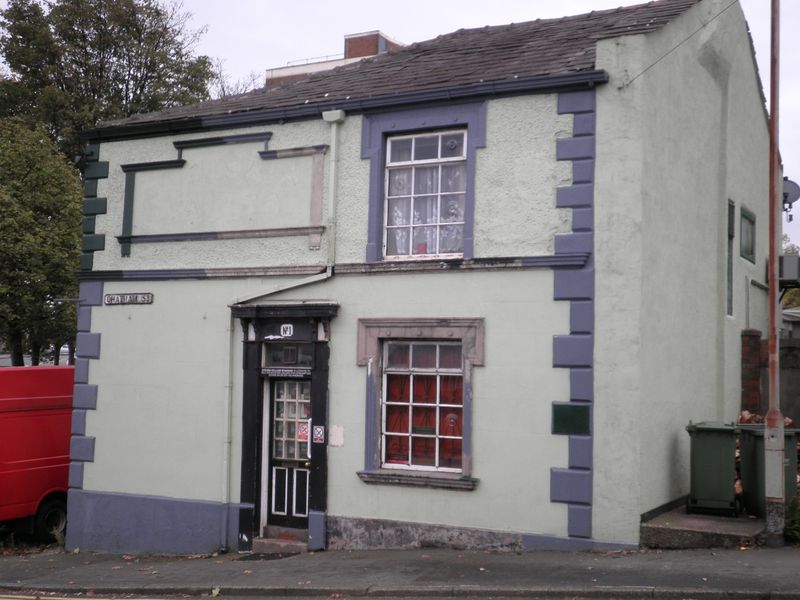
431 573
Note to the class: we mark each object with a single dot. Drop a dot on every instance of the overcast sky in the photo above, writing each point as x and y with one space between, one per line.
254 35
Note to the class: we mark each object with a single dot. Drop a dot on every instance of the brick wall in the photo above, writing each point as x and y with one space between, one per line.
366 45
790 379
752 364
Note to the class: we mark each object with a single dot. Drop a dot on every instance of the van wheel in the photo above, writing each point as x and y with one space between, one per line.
51 521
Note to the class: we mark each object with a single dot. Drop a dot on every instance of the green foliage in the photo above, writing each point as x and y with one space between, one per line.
40 216
65 66
74 63
791 298
788 247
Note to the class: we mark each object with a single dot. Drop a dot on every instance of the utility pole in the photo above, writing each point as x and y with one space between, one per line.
774 484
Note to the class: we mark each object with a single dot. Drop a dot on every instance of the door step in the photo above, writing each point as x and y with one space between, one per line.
286 533
282 540
679 530
278 546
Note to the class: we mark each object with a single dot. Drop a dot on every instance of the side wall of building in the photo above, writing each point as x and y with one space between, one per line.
693 114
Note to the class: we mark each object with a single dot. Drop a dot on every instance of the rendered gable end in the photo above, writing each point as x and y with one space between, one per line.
684 113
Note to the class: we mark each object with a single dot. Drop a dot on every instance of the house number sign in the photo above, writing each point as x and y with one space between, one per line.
143 298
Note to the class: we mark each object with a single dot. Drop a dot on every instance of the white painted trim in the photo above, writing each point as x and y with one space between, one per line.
266 423
294 492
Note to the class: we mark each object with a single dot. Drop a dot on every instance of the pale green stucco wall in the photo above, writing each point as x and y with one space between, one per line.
170 373
221 188
244 191
224 188
691 134
164 380
513 449
516 178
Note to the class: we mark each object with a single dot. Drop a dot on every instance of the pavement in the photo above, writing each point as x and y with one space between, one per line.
733 573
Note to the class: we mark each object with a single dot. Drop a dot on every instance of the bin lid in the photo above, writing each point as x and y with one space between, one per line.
710 426
757 429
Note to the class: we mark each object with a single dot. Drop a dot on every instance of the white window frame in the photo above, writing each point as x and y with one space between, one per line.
414 164
412 371
372 336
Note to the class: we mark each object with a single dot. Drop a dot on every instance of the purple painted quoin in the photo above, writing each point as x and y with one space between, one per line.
575 351
84 394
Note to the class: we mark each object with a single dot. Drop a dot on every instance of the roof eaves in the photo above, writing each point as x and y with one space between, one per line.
537 84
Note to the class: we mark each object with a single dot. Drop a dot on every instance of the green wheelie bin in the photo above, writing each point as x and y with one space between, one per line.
751 447
713 468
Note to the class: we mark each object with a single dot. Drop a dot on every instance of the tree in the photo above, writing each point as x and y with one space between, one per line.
74 63
65 66
791 298
223 86
40 215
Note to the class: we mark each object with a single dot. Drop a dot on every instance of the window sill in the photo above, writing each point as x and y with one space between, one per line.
422 257
578 259
443 481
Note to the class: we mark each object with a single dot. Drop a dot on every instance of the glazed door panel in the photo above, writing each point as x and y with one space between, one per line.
289 452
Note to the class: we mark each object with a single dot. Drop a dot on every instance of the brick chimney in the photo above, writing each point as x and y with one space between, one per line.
370 43
356 47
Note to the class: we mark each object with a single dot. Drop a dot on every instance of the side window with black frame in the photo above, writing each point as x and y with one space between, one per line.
747 237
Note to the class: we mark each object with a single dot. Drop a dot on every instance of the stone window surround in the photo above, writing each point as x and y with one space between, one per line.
374 133
372 333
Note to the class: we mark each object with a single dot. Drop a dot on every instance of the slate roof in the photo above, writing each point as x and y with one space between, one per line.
519 51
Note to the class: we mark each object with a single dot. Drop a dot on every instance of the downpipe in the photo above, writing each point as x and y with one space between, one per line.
335 118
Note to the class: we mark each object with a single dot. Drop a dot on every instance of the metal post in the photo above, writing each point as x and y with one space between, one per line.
773 434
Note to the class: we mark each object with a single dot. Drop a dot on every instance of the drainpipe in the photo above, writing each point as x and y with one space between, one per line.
773 431
335 118
226 450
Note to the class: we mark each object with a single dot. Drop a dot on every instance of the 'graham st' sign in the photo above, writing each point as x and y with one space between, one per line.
144 298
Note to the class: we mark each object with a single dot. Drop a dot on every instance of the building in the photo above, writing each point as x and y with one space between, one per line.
357 46
468 292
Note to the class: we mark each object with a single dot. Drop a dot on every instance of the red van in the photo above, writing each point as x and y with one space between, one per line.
35 424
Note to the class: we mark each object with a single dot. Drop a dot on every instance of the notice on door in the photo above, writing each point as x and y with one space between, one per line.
302 432
319 434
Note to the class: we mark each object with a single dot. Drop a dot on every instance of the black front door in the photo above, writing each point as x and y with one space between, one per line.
289 462
284 421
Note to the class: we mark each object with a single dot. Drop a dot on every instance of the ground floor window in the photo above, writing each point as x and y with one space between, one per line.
419 399
422 405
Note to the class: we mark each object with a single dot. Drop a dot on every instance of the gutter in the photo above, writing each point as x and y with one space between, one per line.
538 84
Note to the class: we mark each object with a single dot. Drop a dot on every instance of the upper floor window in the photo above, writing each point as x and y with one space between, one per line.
422 180
426 184
748 235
